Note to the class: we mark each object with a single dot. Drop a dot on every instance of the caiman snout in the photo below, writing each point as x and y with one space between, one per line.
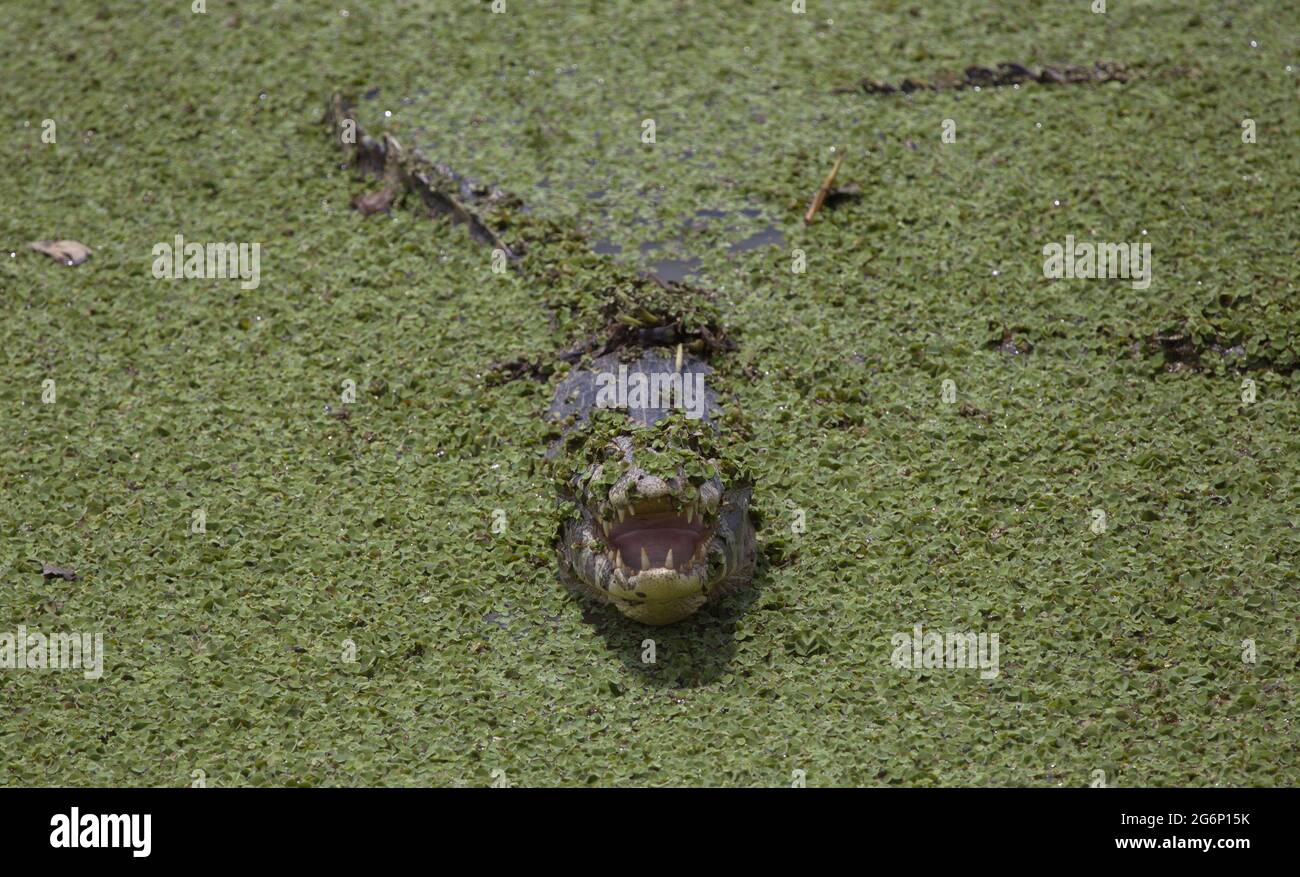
655 529
639 486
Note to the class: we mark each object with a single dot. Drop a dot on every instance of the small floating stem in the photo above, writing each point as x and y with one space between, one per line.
820 197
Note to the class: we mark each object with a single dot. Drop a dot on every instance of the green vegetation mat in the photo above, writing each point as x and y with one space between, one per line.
349 616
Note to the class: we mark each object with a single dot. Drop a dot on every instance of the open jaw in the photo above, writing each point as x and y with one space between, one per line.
656 535
658 560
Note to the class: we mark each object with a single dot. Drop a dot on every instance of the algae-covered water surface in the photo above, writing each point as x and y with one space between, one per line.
301 522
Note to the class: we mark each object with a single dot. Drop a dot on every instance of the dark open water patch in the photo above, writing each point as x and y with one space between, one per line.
674 270
768 237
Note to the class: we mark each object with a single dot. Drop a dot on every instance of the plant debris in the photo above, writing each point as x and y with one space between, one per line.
50 572
68 252
378 201
1006 73
821 194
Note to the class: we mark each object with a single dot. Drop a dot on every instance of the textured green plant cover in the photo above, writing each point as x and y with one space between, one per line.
372 523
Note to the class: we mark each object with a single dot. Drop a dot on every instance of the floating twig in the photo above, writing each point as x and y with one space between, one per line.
820 197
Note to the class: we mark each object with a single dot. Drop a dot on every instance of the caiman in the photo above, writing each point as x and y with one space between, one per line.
653 506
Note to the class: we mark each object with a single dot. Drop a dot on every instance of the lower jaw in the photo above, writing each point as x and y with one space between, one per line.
657 612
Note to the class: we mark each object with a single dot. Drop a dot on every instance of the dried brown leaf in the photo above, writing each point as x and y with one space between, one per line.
67 252
375 202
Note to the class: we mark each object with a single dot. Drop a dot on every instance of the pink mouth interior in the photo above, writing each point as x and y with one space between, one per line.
657 533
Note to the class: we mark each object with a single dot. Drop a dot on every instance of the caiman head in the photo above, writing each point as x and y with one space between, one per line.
655 521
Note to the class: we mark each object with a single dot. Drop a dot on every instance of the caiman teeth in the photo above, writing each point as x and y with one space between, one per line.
690 513
616 560
621 514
